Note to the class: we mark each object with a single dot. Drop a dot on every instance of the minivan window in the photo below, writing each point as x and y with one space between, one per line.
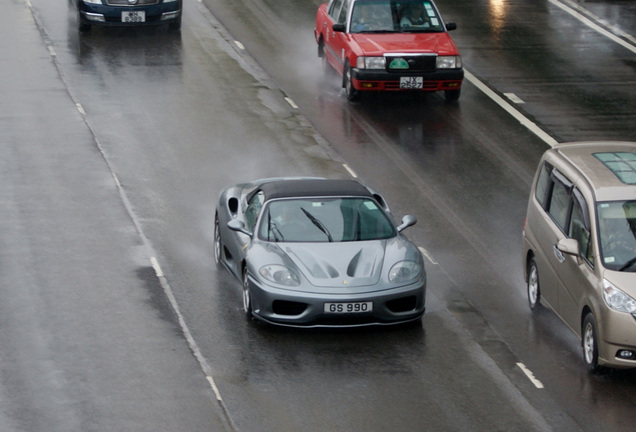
543 184
617 234
580 231
560 204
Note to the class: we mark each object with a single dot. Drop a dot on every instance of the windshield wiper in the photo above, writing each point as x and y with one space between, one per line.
628 264
319 224
272 228
376 31
420 30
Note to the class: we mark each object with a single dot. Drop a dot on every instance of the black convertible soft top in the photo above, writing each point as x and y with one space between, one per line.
313 188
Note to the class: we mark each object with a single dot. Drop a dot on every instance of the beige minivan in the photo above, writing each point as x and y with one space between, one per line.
579 246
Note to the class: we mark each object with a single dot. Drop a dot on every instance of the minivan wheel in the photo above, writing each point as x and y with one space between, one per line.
247 299
534 293
590 343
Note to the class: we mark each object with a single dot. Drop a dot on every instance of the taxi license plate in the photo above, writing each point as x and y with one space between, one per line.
346 308
133 16
411 83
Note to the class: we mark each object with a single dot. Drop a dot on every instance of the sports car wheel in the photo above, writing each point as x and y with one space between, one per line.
247 300
218 246
534 294
350 91
590 343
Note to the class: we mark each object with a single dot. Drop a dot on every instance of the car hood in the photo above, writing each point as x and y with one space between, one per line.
379 44
339 264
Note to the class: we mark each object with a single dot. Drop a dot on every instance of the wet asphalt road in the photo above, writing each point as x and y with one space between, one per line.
116 144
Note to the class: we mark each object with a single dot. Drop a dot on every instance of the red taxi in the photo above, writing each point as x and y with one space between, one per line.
389 45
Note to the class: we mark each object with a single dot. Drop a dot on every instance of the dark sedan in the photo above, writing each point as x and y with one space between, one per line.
129 13
318 253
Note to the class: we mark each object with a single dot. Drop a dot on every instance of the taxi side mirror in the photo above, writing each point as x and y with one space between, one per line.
339 27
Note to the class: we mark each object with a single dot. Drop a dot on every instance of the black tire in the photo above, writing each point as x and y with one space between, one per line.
589 342
534 291
326 67
247 299
218 244
82 26
352 94
175 26
452 95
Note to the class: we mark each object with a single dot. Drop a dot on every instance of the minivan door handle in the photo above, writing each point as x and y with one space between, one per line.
558 254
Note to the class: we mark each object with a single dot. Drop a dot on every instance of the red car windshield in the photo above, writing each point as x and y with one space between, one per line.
378 16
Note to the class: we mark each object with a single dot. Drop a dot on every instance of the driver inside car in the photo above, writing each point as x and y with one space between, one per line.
372 17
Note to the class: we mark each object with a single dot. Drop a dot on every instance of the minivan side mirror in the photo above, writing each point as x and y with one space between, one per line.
569 246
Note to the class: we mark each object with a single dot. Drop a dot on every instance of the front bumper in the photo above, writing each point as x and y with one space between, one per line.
300 309
104 15
617 334
381 80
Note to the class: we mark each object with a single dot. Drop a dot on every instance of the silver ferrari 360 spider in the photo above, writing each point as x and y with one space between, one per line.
314 252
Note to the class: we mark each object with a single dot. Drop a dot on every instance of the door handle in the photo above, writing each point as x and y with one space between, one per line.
558 254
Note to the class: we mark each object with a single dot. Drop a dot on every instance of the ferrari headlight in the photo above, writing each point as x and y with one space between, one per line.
617 299
280 275
448 62
404 271
370 62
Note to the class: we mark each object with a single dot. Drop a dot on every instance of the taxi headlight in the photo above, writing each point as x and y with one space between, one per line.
448 62
617 299
280 275
370 63
404 271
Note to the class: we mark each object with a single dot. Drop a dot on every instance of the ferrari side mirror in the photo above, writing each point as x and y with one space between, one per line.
407 221
237 225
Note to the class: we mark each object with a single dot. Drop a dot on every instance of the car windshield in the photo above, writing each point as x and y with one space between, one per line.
324 220
381 16
617 234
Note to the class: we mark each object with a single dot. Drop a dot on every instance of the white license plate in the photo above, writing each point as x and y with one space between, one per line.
411 83
133 16
346 308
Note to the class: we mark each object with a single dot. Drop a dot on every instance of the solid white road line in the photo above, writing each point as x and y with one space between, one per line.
510 109
591 24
